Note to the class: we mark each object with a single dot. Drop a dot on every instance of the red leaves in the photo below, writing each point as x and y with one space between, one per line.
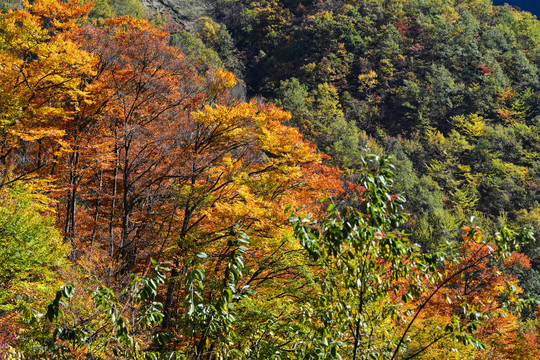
485 69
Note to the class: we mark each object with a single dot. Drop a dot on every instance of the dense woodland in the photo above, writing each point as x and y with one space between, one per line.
271 179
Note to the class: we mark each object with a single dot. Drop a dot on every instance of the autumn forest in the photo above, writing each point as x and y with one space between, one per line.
269 179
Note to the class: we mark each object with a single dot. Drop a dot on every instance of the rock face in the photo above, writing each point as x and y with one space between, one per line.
181 11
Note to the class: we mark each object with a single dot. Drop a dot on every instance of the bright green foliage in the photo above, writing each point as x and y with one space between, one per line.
363 260
193 46
212 304
119 327
127 326
370 271
30 247
530 280
216 37
335 136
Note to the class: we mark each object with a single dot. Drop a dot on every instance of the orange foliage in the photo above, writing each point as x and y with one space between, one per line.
41 82
477 282
159 159
150 155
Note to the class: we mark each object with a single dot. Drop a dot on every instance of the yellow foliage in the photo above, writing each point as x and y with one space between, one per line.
279 172
435 138
219 81
207 29
41 68
464 171
434 166
472 125
36 134
368 81
509 169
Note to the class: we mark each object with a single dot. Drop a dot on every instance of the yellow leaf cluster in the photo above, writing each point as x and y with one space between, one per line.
368 81
472 125
41 69
220 80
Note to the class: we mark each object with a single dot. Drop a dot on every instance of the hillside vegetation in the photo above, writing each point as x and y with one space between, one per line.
281 179
450 88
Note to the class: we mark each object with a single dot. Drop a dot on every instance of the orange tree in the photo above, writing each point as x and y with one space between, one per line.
150 154
41 83
164 163
182 160
127 144
483 285
475 284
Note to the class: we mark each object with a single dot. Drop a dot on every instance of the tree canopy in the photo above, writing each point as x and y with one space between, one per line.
270 179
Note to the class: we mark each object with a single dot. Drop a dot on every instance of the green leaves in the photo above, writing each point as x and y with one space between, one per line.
30 247
53 309
211 300
375 285
508 241
364 258
112 331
